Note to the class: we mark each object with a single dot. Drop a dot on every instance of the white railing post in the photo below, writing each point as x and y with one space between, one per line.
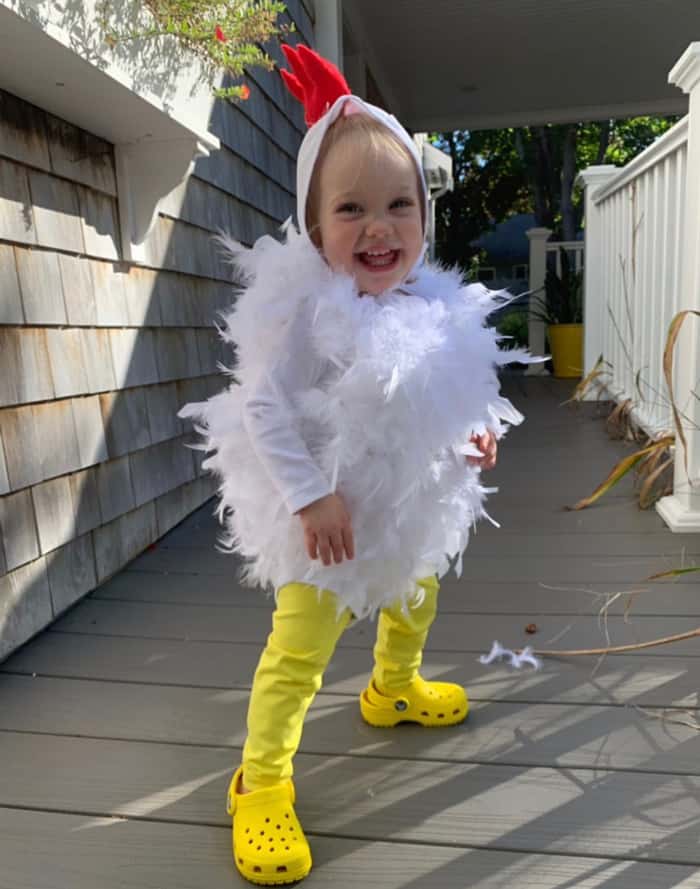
681 511
594 315
538 238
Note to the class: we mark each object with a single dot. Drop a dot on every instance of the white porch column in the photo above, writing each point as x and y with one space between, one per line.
594 314
681 511
328 30
538 238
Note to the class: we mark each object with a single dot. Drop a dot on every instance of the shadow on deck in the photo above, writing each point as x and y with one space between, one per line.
120 725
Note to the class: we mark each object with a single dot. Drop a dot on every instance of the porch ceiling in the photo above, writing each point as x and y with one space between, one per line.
450 64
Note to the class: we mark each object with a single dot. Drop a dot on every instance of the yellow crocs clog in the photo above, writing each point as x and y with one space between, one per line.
269 846
427 703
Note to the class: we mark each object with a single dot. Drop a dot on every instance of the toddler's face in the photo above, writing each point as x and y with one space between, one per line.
370 216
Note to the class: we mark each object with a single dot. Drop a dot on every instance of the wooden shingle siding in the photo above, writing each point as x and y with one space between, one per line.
66 506
4 481
16 218
117 542
26 373
37 139
125 417
25 604
80 157
97 358
71 572
268 203
115 488
18 529
23 134
99 224
40 286
97 355
160 468
57 212
90 430
54 508
181 501
162 405
11 302
78 290
42 209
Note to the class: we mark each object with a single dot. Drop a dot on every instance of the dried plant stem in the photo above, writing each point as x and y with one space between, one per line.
616 649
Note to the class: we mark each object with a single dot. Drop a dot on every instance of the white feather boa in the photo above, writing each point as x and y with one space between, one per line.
412 374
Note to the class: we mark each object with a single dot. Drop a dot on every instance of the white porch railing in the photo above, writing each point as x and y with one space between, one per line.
541 248
633 228
642 236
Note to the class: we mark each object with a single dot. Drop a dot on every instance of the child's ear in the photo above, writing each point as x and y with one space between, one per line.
315 236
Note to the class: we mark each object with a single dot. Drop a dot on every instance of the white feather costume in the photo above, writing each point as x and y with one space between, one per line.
404 379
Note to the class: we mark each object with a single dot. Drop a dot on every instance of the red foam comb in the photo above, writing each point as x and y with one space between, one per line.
316 82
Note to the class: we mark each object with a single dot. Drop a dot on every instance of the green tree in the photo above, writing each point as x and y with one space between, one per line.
499 173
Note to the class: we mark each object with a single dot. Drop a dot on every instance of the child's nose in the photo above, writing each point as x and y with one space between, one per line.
377 225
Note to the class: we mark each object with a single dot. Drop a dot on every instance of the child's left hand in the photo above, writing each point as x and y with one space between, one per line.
488 446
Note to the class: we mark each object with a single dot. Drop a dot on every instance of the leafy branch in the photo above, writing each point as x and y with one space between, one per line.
223 34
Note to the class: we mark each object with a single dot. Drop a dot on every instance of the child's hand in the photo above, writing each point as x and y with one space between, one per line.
327 529
488 446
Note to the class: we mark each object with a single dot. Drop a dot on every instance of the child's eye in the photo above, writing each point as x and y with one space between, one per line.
349 208
400 203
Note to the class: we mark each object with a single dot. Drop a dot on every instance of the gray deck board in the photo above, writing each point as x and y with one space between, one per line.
466 632
664 680
527 597
45 850
554 567
556 735
497 806
123 722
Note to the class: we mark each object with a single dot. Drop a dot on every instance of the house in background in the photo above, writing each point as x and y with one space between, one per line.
505 253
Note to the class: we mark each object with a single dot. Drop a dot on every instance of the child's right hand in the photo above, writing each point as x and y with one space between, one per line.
327 529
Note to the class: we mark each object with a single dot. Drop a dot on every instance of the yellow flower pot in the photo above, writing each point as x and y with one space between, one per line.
566 344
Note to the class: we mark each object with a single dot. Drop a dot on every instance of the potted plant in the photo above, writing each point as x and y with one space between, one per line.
561 309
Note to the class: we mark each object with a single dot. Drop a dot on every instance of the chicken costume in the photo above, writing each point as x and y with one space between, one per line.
372 397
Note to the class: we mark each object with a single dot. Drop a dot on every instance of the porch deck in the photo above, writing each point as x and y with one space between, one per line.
119 726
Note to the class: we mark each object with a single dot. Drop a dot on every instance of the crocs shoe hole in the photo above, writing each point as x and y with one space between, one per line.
250 842
257 869
240 861
258 849
247 830
279 827
286 814
441 715
282 869
287 848
424 713
455 712
267 821
262 833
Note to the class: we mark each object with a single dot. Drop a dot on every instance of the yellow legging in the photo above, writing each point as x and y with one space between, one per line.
305 630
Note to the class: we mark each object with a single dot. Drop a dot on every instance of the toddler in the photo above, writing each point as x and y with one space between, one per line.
350 446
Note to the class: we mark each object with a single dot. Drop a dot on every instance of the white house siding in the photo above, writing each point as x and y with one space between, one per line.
96 355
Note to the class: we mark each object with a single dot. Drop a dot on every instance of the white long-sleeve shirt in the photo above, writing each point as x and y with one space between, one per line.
268 416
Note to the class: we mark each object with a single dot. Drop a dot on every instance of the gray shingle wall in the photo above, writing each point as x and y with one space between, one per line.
97 355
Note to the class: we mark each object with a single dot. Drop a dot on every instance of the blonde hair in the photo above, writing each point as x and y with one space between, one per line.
354 131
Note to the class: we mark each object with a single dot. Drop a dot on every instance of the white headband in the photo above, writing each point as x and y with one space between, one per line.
311 145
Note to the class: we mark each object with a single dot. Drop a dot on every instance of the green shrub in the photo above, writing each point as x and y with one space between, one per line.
515 325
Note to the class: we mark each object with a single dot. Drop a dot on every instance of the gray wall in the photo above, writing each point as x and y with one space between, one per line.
96 355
